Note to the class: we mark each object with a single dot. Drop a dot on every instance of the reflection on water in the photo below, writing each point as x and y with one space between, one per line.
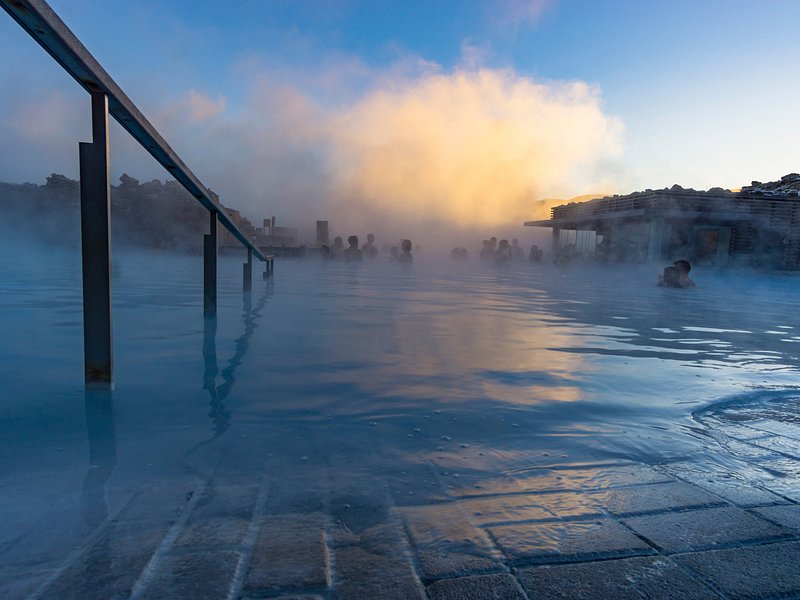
221 416
339 385
102 455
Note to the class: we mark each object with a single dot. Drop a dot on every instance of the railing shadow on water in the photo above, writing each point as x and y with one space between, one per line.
218 413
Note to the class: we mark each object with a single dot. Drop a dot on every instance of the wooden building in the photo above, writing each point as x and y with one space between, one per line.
758 226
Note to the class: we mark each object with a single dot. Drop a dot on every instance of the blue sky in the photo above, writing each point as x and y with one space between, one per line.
700 93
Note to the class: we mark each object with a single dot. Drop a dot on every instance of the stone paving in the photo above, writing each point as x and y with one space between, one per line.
612 530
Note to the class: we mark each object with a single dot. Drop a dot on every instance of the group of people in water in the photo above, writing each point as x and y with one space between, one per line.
501 252
353 253
676 275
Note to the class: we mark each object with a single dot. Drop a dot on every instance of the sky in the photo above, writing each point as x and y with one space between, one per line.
414 116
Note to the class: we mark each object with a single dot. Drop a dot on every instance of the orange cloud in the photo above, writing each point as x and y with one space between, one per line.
469 147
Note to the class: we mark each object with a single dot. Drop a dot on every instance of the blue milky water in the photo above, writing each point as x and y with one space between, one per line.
329 366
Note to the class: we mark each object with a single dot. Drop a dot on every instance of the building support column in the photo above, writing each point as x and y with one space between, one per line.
655 240
268 266
98 359
556 235
210 267
247 272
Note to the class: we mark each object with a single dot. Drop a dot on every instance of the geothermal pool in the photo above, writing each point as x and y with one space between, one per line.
338 382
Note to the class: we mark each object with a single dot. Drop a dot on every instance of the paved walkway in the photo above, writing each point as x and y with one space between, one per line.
617 530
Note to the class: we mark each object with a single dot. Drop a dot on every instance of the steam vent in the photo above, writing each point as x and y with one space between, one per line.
758 226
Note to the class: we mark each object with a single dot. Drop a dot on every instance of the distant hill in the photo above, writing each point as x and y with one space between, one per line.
152 214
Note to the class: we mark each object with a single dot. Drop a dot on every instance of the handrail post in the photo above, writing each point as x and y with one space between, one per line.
247 272
95 194
210 267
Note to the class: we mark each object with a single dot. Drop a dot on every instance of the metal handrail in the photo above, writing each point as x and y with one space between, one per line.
44 25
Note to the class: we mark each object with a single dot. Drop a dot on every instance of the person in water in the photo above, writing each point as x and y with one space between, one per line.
670 278
535 254
337 250
517 253
503 253
486 250
405 254
684 267
369 249
353 254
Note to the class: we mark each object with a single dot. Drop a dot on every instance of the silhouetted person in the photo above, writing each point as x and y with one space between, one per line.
603 250
684 267
324 252
353 254
503 253
535 254
405 254
337 250
369 249
486 250
565 255
517 253
670 278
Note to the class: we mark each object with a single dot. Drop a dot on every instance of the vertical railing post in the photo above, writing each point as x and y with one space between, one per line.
247 272
98 357
210 267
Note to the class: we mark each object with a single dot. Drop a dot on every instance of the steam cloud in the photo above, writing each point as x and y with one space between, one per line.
414 153
466 152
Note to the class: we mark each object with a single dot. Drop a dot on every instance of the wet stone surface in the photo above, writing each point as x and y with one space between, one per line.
630 578
567 541
479 587
703 529
655 498
763 571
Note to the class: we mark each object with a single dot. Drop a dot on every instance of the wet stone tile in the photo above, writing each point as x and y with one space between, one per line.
195 575
111 565
355 516
571 504
783 445
21 583
786 516
290 553
504 509
447 544
654 498
739 493
414 485
747 449
213 532
500 586
591 478
762 571
379 572
469 485
781 428
703 529
739 432
295 495
652 577
567 541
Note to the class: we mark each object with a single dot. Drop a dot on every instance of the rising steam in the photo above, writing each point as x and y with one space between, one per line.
469 150
414 152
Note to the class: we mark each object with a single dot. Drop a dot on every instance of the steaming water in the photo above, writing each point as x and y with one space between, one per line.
335 379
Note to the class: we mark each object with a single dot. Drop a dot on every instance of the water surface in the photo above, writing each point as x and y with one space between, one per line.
334 379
